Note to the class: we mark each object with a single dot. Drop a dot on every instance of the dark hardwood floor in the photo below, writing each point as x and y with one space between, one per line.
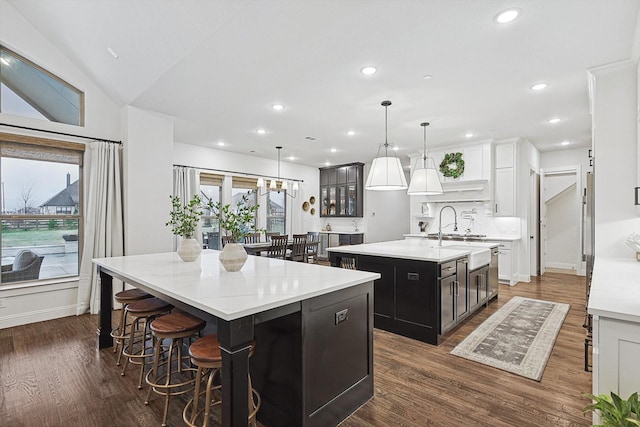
52 375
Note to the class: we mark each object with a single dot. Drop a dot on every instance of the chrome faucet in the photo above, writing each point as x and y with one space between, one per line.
455 223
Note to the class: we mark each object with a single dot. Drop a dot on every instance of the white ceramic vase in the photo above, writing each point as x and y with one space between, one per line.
189 249
233 257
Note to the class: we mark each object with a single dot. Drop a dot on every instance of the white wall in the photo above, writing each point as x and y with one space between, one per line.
615 151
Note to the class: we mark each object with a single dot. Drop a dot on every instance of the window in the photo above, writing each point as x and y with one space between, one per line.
40 207
276 211
30 91
243 186
210 186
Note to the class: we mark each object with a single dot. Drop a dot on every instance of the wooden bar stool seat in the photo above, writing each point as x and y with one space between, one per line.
118 333
205 354
172 373
135 348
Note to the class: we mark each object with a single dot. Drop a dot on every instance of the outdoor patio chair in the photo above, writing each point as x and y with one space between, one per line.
26 266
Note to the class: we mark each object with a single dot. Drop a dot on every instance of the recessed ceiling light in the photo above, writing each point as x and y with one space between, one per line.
261 131
565 143
396 148
292 158
277 107
368 70
351 132
427 77
468 135
539 86
554 120
507 16
333 150
112 52
327 163
221 144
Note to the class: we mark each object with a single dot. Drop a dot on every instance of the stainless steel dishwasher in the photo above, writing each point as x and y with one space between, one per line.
493 274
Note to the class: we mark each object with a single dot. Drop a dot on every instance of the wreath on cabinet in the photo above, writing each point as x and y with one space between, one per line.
452 165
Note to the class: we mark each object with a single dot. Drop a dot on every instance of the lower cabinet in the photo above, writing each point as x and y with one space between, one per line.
478 288
454 294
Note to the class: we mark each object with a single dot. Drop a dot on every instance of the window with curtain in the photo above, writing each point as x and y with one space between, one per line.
244 186
210 188
40 208
276 211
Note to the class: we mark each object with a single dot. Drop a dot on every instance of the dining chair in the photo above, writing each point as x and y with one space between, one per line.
269 234
252 238
227 239
348 263
299 248
278 248
313 240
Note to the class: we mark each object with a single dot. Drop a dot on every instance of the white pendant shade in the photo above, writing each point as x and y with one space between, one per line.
386 174
425 182
284 186
272 184
260 183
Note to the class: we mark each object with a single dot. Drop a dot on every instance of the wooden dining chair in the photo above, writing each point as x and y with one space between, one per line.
348 263
313 240
278 248
269 234
227 239
252 238
299 248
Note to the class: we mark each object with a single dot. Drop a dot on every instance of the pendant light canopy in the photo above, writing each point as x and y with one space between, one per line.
386 170
425 181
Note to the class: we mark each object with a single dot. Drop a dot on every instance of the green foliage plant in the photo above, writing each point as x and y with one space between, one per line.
449 159
236 222
614 411
184 218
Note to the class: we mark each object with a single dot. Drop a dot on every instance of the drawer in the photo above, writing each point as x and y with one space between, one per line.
504 246
448 269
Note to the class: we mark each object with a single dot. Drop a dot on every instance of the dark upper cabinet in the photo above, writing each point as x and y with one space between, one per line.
341 190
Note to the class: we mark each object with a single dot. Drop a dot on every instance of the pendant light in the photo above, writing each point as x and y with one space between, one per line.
425 181
284 185
386 171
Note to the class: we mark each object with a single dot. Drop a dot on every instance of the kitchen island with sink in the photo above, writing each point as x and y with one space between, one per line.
424 289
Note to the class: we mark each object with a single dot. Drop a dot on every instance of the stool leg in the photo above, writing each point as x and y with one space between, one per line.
134 326
121 329
143 352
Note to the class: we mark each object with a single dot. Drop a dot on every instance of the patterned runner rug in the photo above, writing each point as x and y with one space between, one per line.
517 338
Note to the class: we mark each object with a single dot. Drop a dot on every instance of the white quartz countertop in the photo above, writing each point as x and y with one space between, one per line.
415 249
510 238
615 289
262 284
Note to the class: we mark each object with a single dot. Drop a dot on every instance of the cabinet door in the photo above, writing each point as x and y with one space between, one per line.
504 265
447 303
414 296
332 200
462 292
504 193
324 197
342 175
383 295
475 290
352 200
341 206
505 155
473 163
352 174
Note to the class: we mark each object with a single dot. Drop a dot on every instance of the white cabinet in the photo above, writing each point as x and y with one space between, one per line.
504 190
477 162
507 269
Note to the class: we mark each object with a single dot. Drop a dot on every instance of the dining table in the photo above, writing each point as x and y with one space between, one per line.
319 319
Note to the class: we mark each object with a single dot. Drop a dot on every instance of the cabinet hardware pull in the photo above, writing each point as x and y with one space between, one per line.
450 268
457 287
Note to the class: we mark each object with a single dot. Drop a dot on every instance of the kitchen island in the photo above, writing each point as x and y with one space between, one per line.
424 290
317 320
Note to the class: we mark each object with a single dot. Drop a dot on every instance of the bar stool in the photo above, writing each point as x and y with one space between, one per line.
205 354
118 333
176 327
136 350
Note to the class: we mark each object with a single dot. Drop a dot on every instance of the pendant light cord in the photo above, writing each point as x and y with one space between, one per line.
386 104
424 153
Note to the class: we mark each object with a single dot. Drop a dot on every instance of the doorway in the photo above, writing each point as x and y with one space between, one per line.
534 223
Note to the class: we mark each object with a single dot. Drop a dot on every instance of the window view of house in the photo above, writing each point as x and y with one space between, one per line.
28 90
276 209
40 212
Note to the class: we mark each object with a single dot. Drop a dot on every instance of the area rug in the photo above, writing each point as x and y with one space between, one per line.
517 338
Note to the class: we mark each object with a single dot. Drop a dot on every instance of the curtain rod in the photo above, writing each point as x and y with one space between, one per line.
241 173
62 133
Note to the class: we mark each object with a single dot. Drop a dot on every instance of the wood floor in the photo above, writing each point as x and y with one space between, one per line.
52 375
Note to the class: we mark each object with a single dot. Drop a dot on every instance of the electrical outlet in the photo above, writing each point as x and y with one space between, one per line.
2 302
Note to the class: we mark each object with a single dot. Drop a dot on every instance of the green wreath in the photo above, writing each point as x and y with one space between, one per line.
452 165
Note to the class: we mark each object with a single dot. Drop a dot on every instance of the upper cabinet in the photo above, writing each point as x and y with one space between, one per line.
477 162
341 189
504 186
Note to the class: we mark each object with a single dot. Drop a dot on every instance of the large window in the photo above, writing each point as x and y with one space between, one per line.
28 90
245 187
40 208
276 211
210 186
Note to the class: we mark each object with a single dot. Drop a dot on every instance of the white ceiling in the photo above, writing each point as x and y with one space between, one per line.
218 66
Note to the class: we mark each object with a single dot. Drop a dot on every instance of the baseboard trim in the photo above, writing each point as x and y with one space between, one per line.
37 316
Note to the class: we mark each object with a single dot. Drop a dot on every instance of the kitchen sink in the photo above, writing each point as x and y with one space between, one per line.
477 258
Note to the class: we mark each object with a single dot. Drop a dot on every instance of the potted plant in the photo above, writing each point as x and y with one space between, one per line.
237 223
615 411
183 220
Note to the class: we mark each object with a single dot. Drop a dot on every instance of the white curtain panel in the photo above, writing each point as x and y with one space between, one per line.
186 183
103 227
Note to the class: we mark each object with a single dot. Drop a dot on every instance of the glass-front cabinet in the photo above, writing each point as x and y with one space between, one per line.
341 189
